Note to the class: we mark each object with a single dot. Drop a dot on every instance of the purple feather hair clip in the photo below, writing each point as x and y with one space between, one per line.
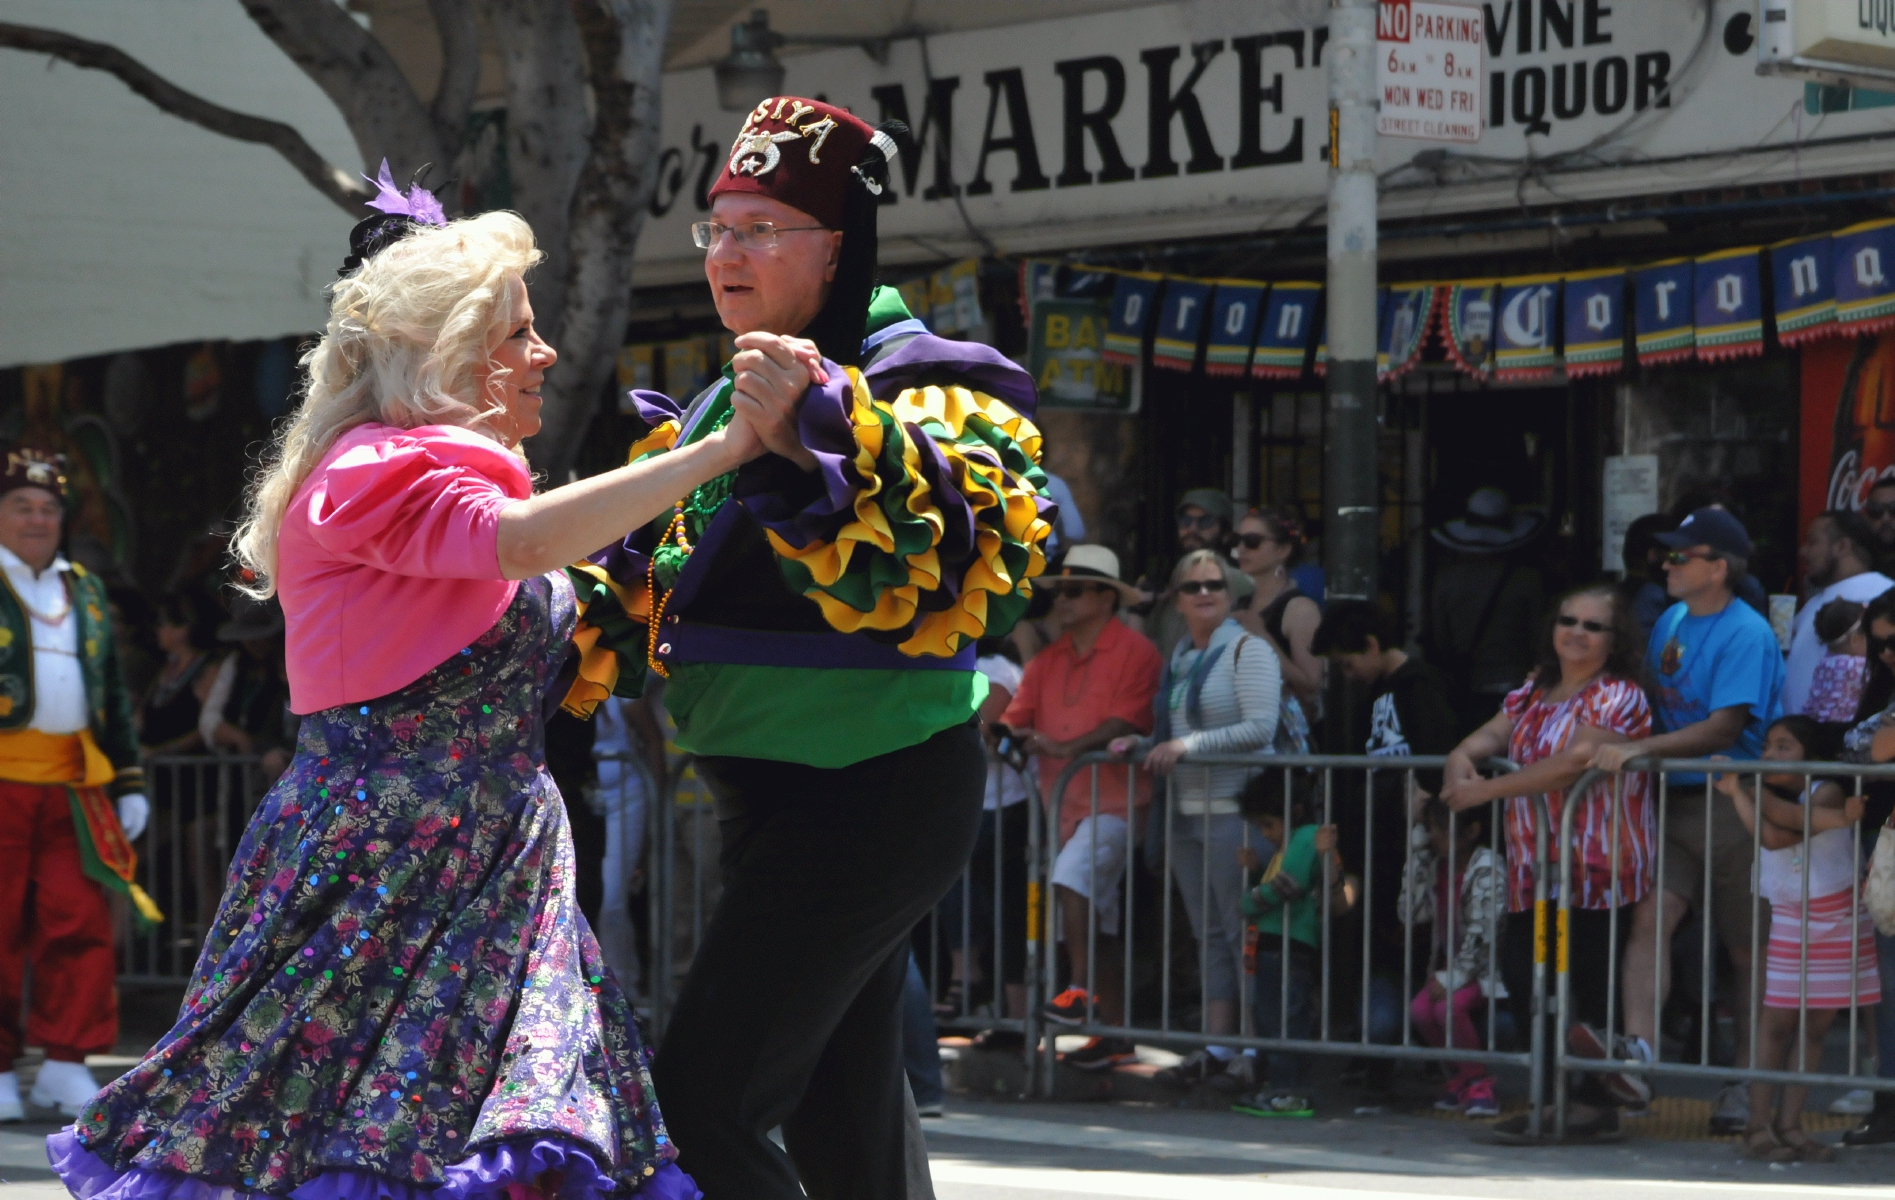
419 204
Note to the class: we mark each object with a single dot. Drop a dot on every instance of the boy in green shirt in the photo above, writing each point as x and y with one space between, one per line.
1288 901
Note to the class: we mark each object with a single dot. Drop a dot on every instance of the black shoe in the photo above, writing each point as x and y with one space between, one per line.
1101 1054
1878 1129
1004 1040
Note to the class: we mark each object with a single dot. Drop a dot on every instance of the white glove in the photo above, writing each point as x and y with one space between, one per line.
133 811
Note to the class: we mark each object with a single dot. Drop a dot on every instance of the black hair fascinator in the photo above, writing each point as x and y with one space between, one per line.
399 216
839 328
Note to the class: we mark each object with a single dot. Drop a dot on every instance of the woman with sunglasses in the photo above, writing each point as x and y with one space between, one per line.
1219 695
1583 693
1269 543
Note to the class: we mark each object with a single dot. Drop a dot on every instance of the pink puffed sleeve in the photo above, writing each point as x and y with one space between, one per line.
423 502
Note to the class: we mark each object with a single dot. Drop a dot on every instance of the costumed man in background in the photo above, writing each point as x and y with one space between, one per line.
71 795
817 613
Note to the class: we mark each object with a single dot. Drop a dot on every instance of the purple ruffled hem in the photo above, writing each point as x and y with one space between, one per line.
485 1174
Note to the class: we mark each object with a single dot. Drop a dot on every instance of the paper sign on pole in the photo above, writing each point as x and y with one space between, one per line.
1428 70
1630 491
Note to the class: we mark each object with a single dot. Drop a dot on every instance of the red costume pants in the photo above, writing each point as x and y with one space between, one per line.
54 917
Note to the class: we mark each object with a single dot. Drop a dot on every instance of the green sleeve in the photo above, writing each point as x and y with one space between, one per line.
1292 880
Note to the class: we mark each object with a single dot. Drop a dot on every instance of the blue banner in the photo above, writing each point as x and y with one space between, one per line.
1595 323
1805 289
1132 312
1467 325
1402 327
1235 315
1525 341
1865 277
1289 319
1180 320
1662 299
1729 308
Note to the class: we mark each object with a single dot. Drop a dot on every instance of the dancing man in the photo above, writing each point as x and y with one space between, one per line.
816 613
71 795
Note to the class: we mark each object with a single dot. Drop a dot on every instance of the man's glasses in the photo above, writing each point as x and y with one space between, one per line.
1877 511
1567 622
1252 540
1192 587
1204 521
1678 558
751 235
1072 591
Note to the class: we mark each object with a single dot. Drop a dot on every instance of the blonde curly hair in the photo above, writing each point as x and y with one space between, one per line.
408 335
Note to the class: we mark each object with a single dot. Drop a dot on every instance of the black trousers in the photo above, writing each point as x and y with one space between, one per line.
1588 969
791 1013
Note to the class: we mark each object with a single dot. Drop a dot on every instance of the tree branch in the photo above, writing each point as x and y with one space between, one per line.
338 185
460 70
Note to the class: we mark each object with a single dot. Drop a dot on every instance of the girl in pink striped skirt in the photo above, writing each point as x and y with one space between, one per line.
1837 968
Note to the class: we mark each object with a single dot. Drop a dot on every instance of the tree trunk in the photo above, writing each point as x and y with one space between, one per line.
624 44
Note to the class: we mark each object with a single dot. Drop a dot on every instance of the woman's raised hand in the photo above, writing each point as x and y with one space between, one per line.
772 372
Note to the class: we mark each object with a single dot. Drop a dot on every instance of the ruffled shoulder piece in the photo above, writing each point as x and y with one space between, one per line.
613 591
933 516
663 418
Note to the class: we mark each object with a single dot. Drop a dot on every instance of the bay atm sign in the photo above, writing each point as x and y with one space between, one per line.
1428 72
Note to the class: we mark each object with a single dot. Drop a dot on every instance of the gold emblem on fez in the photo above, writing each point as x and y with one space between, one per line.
756 155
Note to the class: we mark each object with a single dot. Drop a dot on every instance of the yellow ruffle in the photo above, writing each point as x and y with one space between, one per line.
663 436
598 674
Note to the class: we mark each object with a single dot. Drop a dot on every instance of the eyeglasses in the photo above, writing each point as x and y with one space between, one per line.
1072 591
1192 587
1203 521
1678 558
1589 626
1252 540
1877 511
751 235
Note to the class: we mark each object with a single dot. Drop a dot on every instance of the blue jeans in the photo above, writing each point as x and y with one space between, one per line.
1288 1072
920 1051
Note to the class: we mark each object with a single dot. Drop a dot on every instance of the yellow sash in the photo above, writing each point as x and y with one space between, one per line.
29 756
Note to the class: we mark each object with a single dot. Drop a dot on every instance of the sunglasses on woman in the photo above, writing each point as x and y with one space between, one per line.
1252 540
1567 622
1192 587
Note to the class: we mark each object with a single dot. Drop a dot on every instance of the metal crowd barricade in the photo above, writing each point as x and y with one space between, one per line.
1750 776
199 808
1325 768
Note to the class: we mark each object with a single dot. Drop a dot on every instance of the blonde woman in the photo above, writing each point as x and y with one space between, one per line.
399 997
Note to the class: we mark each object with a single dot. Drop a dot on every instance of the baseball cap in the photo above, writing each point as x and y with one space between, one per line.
1711 527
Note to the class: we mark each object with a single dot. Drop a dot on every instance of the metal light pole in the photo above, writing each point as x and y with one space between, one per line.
1350 509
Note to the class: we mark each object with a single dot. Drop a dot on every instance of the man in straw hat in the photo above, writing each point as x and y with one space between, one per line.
816 612
71 795
1094 683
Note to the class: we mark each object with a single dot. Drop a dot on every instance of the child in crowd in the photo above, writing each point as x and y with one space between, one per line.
1288 901
1836 688
1467 908
1833 919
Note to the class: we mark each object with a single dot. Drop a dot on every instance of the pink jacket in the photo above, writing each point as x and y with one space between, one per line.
388 560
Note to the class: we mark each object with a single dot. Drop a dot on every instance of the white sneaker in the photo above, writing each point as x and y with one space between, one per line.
1853 1103
11 1109
66 1086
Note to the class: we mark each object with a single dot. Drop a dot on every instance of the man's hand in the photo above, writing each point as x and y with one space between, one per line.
1164 756
1612 756
134 811
772 373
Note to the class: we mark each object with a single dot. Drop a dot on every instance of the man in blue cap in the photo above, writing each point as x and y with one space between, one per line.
1716 672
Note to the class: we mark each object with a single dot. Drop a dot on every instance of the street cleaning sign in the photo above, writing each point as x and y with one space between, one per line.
1428 72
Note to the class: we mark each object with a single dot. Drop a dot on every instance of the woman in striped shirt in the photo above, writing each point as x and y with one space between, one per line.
1584 692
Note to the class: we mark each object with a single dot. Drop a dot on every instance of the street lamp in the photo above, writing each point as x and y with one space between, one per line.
752 72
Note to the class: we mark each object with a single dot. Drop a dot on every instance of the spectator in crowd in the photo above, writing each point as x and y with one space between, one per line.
1269 543
247 710
1879 511
167 722
1749 588
1836 686
628 748
1584 693
134 629
1070 528
1286 909
1486 606
1453 886
1219 695
968 921
1716 674
1838 548
1644 559
1093 684
1204 523
1805 981
921 1044
1873 740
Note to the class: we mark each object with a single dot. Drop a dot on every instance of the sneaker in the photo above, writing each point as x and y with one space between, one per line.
1238 1075
1101 1054
66 1086
1626 1089
1878 1130
1069 1007
1731 1113
11 1109
1478 1099
930 1110
1451 1099
1200 1066
1280 1104
1857 1103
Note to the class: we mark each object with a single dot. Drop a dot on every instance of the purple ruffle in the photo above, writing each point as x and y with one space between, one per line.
484 1174
919 359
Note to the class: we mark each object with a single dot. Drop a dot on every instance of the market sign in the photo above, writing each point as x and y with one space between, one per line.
1064 352
1858 33
1428 70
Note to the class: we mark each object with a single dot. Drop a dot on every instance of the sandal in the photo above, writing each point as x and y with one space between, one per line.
1805 1147
1763 1145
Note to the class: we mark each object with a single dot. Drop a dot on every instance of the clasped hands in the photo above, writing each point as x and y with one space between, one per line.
771 373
